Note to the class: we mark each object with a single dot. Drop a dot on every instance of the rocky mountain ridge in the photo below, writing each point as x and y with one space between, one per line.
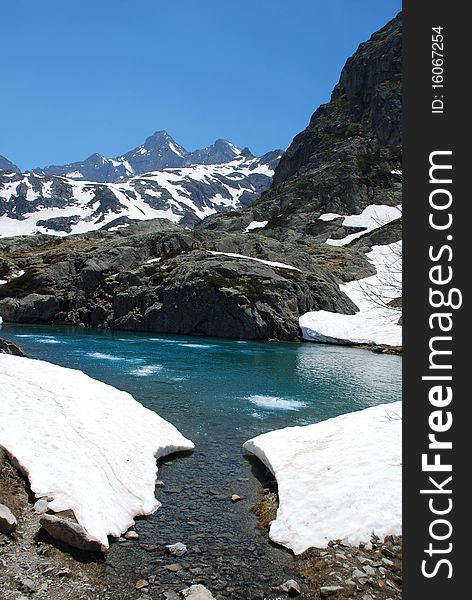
159 151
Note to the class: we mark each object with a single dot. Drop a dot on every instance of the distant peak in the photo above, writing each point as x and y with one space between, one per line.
227 144
96 156
161 135
7 165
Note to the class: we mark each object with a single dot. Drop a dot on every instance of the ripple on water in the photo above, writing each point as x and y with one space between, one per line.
146 370
187 345
103 356
40 339
275 403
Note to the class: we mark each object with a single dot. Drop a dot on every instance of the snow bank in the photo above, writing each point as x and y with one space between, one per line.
374 323
91 447
339 479
371 218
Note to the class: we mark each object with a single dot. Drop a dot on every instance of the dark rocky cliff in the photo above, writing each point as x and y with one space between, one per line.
343 160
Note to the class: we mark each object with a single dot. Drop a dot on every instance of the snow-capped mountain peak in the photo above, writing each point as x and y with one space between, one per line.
159 151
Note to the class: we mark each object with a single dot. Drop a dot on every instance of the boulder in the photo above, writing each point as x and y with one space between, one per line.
69 533
177 549
8 520
7 347
290 587
197 592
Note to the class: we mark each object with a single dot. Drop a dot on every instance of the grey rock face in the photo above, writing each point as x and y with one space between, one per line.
115 281
343 161
33 308
69 533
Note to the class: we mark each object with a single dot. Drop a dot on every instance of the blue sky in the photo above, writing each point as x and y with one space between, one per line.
84 76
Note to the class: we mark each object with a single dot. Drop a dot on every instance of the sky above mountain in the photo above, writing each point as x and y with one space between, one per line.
88 76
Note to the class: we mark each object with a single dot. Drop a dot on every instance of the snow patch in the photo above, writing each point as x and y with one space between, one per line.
375 322
329 217
91 447
372 217
271 263
331 484
255 225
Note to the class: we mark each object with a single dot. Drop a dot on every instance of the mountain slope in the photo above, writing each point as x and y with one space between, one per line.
32 203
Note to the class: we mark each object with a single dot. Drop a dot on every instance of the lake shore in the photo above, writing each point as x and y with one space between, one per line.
32 565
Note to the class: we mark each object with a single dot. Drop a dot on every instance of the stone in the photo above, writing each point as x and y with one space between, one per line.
29 585
8 520
290 587
388 563
177 549
387 552
236 498
69 533
327 591
131 535
357 573
41 506
197 592
141 583
7 347
368 570
171 595
174 567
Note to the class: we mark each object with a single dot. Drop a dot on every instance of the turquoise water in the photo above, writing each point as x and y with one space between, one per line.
219 393
215 387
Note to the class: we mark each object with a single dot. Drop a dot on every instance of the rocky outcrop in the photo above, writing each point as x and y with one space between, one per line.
155 277
7 347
